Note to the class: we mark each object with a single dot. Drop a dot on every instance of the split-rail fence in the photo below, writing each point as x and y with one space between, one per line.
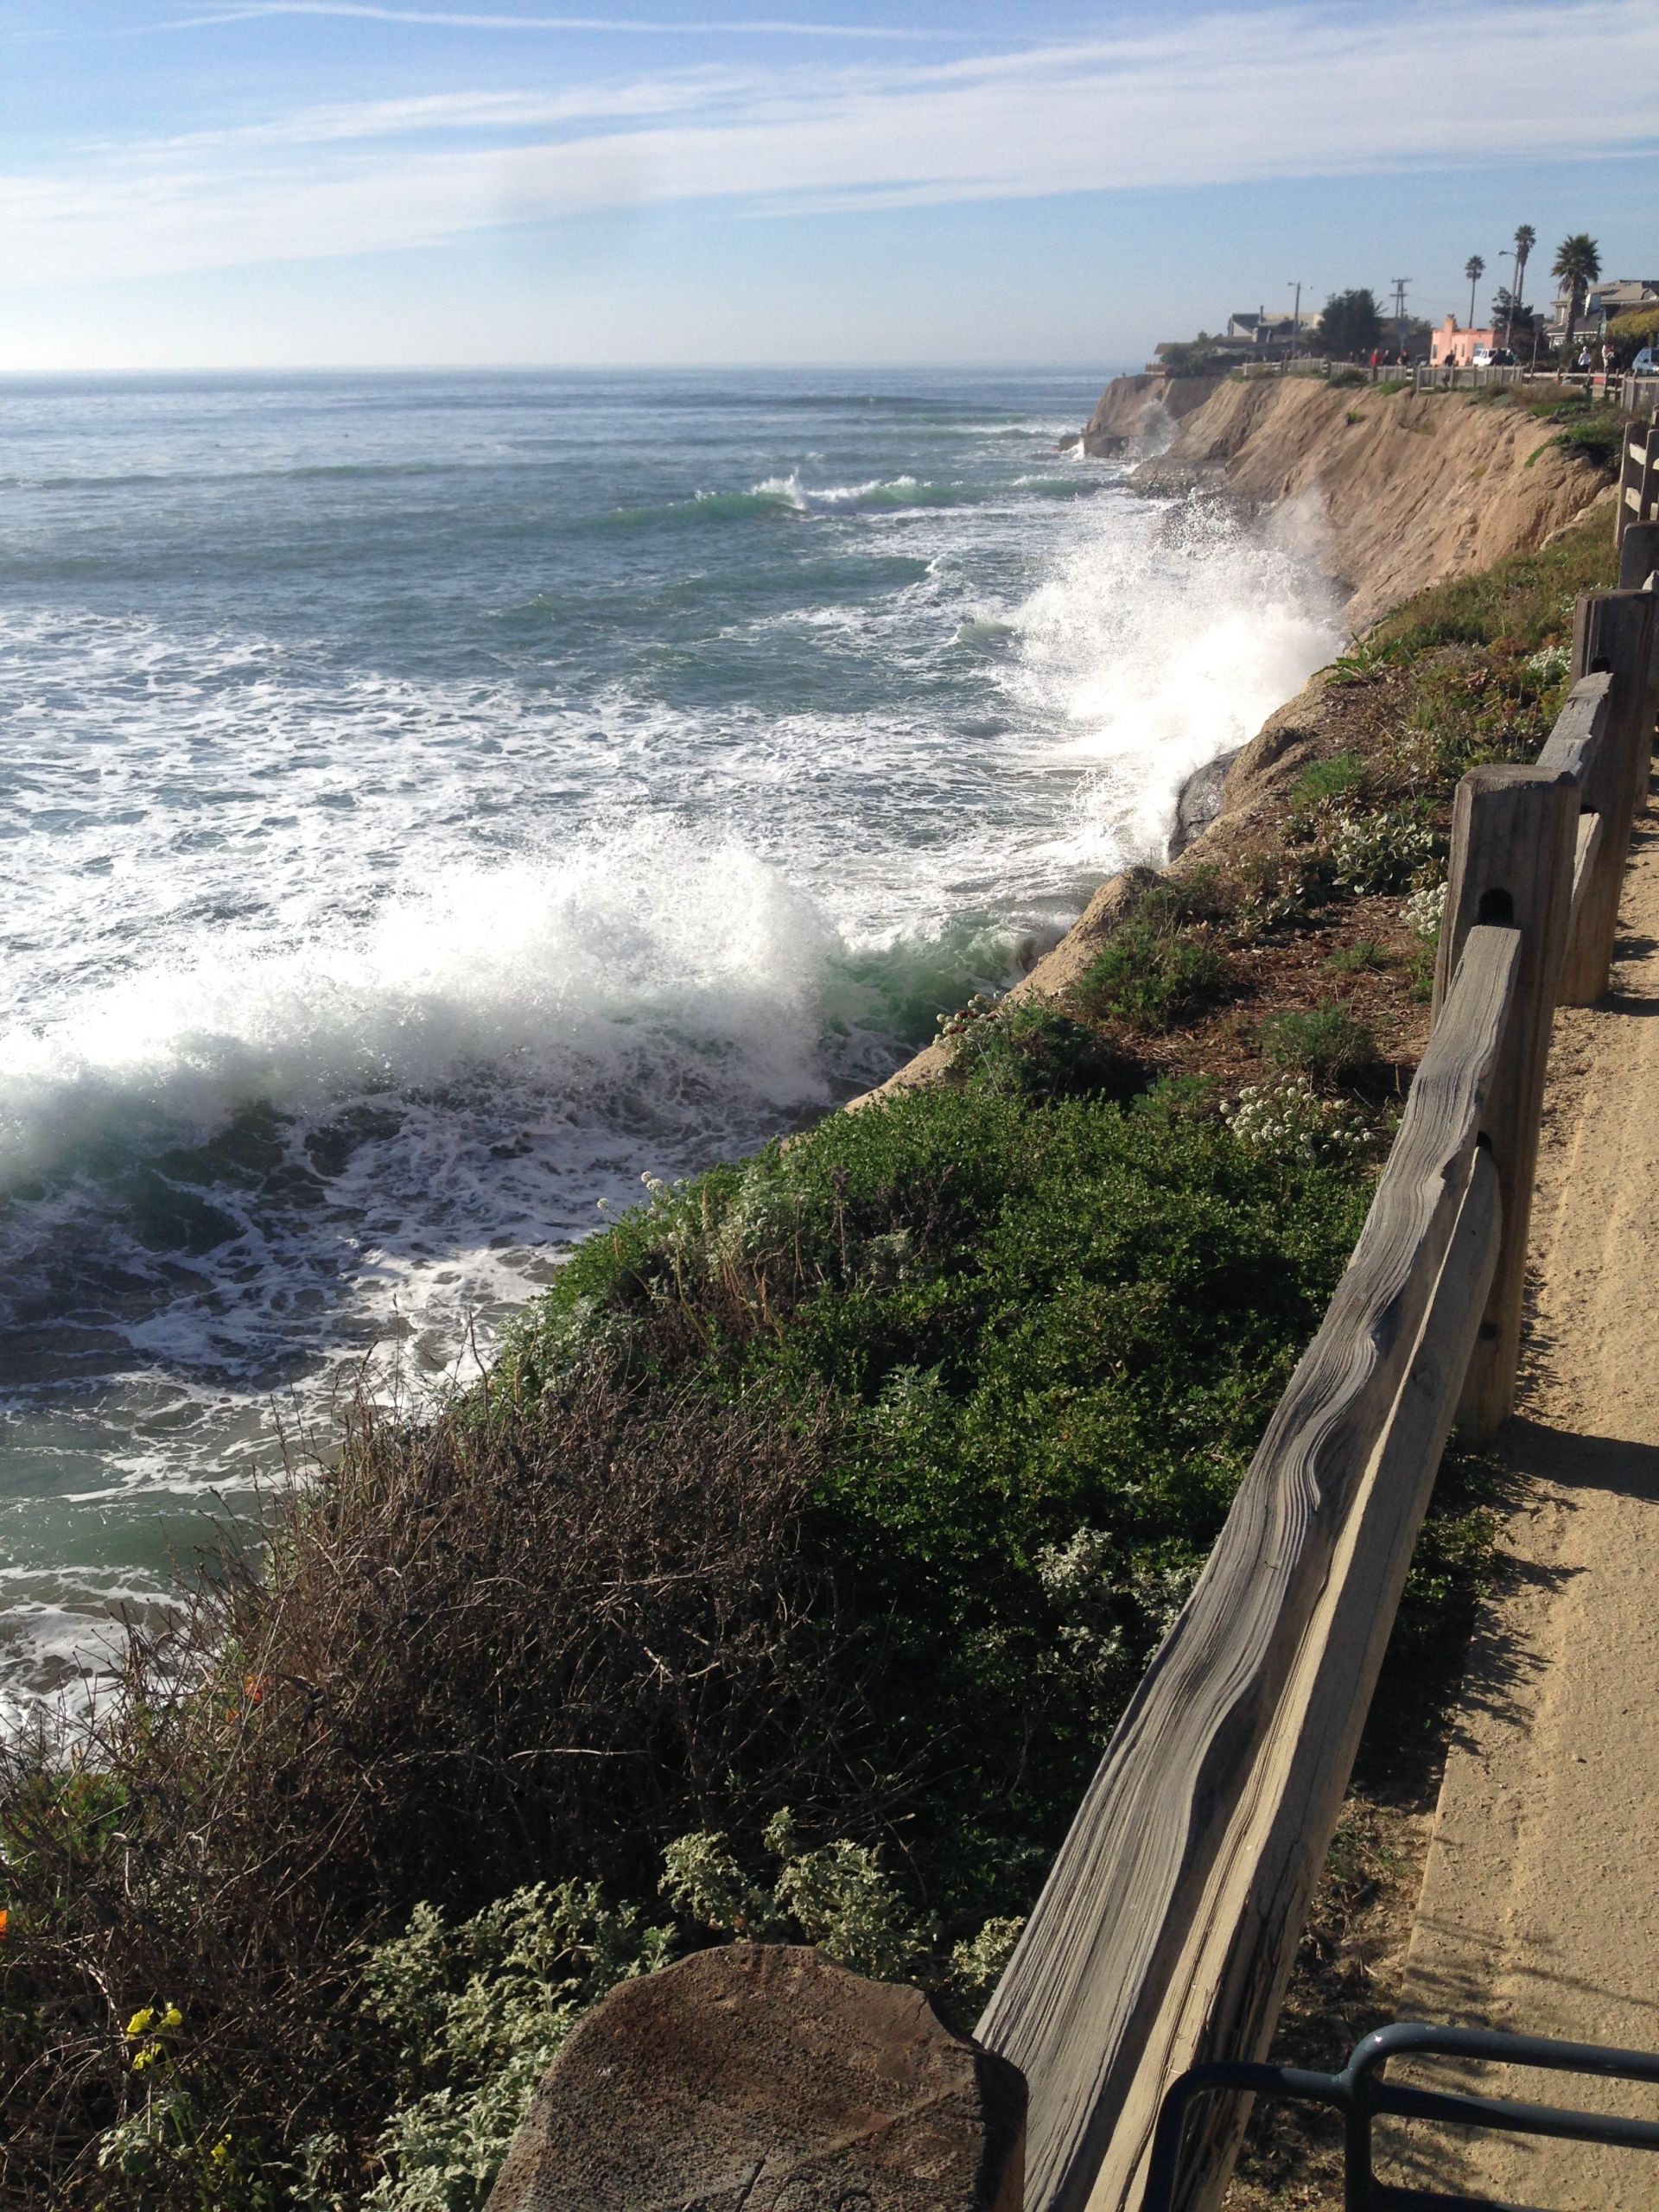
1165 1932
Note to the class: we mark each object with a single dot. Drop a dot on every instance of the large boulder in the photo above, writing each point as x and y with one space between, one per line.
764 2078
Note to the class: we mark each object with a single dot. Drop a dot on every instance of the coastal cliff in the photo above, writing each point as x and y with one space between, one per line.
1390 491
1393 492
1142 407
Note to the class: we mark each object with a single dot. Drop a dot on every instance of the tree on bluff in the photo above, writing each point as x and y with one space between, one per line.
1351 325
1577 265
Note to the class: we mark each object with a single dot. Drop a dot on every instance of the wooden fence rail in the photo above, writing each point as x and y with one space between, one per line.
1165 1931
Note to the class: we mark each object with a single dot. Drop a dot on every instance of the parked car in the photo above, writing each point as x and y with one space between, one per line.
1644 364
1482 358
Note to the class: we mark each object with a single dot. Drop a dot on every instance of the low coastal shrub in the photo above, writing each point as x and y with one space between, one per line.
860 1478
1148 976
1365 955
1526 599
1327 1042
1036 1052
1325 783
1596 437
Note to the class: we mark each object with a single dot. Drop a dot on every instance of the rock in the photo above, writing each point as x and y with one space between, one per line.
1106 912
1140 406
764 2078
1291 737
1200 801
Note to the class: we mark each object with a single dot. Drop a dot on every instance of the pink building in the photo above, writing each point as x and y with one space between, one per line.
1449 343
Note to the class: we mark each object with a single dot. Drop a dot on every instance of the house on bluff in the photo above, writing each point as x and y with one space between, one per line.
1455 344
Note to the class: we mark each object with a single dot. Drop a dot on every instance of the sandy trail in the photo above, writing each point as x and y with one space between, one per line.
1540 1908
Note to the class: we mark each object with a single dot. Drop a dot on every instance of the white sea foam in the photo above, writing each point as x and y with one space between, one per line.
349 984
1155 659
627 960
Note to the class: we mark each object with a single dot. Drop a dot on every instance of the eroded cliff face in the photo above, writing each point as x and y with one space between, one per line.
1141 407
1389 491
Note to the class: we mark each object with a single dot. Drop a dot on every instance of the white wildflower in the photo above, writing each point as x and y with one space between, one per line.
1424 911
1288 1119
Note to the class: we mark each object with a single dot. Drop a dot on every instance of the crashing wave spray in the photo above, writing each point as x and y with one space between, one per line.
1152 659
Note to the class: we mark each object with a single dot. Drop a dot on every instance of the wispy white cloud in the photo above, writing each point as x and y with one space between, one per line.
428 115
456 19
1296 91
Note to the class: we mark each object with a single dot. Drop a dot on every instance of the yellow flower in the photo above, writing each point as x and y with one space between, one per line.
140 2021
171 2018
221 2149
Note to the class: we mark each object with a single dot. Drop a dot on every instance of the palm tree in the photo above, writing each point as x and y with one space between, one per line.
1577 264
1525 238
1474 268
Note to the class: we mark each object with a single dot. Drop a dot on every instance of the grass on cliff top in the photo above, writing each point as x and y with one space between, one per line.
788 1575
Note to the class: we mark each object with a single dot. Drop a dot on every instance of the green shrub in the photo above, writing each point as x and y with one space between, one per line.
1026 1323
1323 783
1382 852
1527 597
1146 978
1359 664
1365 955
1327 1042
1036 1052
1628 333
1598 438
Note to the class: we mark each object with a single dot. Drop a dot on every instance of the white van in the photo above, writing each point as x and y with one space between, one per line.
1644 364
1481 358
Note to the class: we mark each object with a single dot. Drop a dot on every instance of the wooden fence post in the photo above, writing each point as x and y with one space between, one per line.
1514 832
1611 630
1638 554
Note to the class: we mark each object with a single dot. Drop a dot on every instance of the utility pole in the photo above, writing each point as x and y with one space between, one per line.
1400 284
1296 318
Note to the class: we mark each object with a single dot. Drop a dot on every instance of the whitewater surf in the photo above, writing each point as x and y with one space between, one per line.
427 804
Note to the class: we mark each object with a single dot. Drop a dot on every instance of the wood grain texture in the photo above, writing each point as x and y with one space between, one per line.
1574 746
1513 834
1638 554
1612 631
1583 862
1100 1965
1272 1857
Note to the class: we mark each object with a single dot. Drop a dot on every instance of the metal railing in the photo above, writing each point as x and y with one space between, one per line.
1363 2095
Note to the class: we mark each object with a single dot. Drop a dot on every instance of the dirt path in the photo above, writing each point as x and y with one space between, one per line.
1539 1907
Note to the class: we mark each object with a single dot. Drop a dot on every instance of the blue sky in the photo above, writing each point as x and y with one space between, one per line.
384 182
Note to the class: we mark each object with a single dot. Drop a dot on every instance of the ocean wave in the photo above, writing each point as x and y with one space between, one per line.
779 498
1153 658
634 964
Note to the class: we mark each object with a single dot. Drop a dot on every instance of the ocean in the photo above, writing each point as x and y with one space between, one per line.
428 804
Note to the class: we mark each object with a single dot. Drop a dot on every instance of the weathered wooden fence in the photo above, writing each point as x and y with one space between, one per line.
1638 476
1165 1932
1616 388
